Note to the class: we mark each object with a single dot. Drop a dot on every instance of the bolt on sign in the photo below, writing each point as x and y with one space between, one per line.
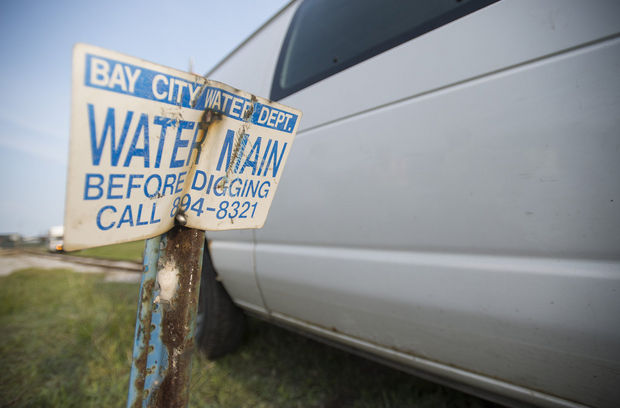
150 142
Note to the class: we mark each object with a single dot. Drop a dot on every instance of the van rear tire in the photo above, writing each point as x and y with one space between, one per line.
220 324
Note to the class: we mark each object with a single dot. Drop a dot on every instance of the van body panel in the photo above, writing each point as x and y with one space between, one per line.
234 264
503 35
542 324
250 68
531 168
455 199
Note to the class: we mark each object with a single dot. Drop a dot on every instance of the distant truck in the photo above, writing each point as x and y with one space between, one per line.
55 238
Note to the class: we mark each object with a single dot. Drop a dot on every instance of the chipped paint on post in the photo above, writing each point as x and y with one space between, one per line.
165 326
143 322
167 279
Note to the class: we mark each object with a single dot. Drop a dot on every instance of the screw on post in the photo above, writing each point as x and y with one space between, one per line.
181 219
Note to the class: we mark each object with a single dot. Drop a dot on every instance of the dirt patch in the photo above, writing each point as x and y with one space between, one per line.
11 262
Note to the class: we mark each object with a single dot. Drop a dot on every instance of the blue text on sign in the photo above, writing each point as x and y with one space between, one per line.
120 77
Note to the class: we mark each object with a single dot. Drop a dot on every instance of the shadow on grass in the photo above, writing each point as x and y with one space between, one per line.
66 339
278 368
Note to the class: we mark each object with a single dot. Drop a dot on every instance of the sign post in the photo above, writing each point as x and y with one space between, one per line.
160 154
164 336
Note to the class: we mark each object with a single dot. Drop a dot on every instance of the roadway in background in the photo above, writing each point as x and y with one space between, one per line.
12 260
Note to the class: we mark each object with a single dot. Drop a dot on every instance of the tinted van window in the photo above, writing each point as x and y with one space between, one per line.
327 36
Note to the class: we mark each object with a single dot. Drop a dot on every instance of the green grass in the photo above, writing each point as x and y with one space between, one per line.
129 251
66 342
66 339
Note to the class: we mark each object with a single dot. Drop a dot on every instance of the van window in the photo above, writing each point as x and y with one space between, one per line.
328 36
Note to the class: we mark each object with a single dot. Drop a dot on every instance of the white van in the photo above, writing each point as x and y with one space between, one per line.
451 205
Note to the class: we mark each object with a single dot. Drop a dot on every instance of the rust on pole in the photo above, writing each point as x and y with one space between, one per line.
166 320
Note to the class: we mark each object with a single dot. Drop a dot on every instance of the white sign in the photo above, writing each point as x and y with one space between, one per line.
148 142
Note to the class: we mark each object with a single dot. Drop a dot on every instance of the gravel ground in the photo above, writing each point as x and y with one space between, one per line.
11 261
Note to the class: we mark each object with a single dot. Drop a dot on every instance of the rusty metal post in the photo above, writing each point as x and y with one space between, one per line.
166 319
143 322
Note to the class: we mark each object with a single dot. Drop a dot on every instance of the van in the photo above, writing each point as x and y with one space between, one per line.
451 204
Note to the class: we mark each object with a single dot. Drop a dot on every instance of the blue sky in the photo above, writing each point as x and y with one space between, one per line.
36 41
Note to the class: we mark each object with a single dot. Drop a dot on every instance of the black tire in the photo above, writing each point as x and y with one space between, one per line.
220 324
